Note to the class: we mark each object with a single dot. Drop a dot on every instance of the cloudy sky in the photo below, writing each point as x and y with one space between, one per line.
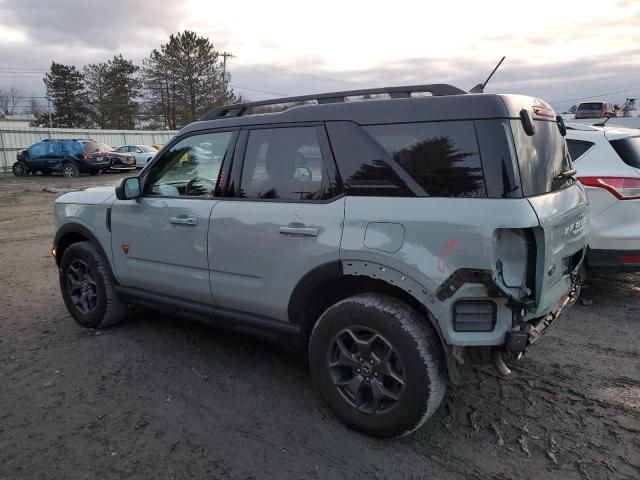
562 51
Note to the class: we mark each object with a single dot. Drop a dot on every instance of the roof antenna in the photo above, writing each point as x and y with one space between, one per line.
480 87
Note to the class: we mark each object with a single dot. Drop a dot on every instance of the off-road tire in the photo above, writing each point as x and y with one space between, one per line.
417 346
108 308
70 170
20 169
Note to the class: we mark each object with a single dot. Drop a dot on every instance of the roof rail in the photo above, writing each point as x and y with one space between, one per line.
239 109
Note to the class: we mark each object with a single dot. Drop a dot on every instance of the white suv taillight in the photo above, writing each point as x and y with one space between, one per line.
623 188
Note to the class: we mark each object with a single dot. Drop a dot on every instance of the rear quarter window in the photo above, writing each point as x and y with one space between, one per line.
628 149
577 148
443 158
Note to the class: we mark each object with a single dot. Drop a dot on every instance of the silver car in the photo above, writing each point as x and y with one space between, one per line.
142 153
392 240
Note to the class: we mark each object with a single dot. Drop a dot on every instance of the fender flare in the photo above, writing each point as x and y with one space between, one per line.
77 228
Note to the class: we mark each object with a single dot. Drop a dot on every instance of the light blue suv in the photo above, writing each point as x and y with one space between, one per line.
389 238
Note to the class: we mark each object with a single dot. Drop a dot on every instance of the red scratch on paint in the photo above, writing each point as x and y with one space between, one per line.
444 251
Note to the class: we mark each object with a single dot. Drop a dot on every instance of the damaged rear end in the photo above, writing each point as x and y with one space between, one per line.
555 249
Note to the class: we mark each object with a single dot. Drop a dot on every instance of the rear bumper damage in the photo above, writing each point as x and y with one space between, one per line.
518 341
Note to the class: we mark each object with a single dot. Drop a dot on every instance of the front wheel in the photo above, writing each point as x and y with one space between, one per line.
20 169
87 287
378 365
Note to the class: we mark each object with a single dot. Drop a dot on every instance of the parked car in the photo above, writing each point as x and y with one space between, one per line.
599 109
117 161
390 239
70 157
607 160
142 153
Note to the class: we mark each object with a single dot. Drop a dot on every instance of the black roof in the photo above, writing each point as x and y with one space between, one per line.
446 103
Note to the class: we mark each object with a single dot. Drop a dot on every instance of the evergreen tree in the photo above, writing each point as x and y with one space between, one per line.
113 89
65 90
183 80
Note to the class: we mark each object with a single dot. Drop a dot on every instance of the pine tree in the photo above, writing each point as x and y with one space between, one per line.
183 80
65 90
113 89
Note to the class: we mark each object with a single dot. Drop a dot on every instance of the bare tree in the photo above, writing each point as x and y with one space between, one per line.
36 107
10 100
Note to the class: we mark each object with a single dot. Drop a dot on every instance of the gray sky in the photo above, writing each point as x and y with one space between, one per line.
561 51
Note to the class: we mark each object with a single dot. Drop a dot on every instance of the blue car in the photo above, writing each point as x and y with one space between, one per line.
70 157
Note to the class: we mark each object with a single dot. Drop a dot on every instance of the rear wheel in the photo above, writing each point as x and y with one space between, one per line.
20 169
70 170
87 287
377 364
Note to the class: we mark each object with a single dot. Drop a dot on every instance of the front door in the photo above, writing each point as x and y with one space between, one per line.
159 240
283 221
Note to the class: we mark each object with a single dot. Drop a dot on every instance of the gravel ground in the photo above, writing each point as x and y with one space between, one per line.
157 397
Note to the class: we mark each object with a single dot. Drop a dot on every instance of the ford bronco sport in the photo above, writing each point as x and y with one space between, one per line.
392 238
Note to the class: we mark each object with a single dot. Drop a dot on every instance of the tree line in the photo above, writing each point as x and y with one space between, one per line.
175 85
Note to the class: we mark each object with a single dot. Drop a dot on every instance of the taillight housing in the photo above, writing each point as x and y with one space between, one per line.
623 188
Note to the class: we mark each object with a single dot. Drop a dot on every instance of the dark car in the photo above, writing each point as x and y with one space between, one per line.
69 157
599 109
117 161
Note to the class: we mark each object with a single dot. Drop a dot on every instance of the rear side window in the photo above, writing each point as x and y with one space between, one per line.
286 164
577 148
365 167
90 147
629 150
443 158
73 148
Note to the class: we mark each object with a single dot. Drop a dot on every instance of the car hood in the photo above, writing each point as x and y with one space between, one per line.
90 196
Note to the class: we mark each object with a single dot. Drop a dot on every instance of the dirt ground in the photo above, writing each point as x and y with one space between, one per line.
156 397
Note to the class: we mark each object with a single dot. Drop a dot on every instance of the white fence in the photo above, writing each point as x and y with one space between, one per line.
14 139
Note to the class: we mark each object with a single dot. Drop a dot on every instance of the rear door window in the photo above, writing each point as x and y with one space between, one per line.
628 149
286 164
443 158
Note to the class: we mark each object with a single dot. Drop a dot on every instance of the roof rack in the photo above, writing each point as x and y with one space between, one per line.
239 109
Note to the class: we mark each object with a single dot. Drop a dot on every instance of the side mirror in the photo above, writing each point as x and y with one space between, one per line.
129 189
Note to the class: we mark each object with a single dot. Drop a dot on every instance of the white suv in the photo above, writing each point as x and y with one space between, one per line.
607 159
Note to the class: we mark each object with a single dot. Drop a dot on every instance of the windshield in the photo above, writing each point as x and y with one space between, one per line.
629 150
541 158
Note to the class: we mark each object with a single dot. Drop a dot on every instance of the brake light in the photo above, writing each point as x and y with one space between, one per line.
621 187
543 112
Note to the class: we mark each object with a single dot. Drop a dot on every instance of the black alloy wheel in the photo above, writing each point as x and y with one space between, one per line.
82 286
366 370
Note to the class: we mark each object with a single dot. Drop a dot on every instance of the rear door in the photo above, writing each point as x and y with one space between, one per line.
159 241
282 218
